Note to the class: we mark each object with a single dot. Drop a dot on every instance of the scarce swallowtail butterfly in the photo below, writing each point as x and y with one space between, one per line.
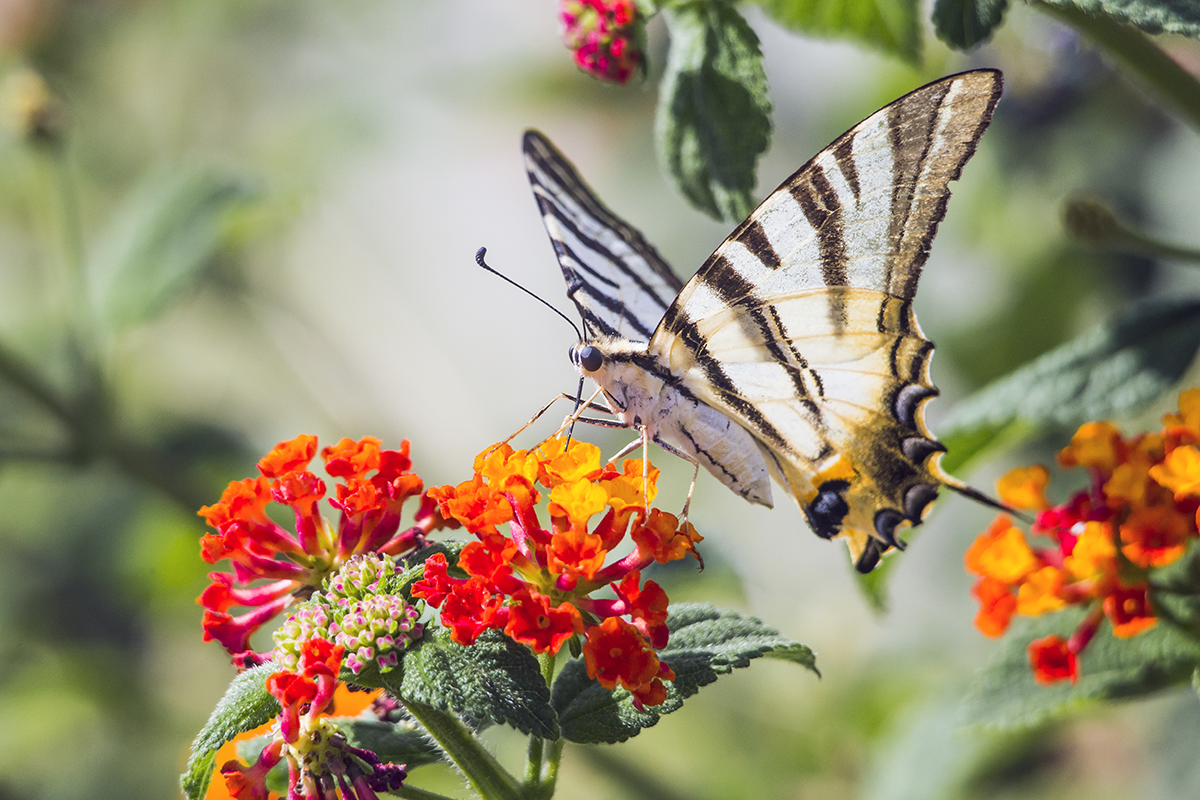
793 353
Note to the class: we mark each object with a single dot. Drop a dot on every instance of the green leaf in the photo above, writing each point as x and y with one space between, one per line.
705 643
962 24
394 743
1175 592
1005 694
714 116
1114 370
494 680
161 242
246 705
1150 16
893 26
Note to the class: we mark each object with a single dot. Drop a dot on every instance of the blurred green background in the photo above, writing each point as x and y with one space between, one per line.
318 177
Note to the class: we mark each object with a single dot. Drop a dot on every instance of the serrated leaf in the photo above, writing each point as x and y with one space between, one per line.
494 680
161 241
1005 694
1150 16
246 705
893 26
962 24
714 116
1114 370
394 743
705 643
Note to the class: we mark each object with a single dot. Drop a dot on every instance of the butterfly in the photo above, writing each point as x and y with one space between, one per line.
793 353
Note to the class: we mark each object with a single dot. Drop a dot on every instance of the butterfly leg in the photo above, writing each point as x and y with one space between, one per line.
561 396
683 515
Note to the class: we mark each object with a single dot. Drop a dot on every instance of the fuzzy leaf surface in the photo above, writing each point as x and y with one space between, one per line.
705 643
246 705
494 680
1150 16
1005 694
714 115
1114 370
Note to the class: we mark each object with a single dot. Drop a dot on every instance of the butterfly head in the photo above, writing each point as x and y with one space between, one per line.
587 358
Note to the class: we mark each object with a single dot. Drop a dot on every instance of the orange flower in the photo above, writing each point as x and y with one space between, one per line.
1039 592
1025 487
662 539
996 606
1094 554
1001 553
576 502
1095 444
560 464
1179 472
1154 536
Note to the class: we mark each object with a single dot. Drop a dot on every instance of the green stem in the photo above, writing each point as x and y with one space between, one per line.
550 771
535 766
480 767
1171 82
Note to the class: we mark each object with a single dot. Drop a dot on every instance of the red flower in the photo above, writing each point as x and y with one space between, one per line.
1129 611
1141 504
1052 660
532 621
375 486
604 35
535 583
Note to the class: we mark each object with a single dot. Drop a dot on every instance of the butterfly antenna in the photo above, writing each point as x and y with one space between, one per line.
972 493
479 254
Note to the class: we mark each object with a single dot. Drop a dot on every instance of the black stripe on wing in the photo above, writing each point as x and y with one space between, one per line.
619 282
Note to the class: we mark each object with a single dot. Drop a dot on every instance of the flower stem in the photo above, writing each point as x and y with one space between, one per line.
1158 71
535 766
480 767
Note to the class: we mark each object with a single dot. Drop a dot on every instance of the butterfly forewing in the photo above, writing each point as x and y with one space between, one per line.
619 282
800 325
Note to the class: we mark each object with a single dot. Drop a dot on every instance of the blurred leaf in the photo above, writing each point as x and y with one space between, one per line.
962 24
246 705
706 642
494 680
714 116
873 584
394 743
893 26
1113 370
1005 694
1175 592
1151 16
161 241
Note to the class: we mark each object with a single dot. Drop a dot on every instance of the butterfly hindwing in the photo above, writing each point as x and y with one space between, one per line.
619 282
800 325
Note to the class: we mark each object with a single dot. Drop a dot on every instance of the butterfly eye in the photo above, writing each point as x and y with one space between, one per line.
591 359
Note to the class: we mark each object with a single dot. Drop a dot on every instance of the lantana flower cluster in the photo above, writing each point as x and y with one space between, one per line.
372 487
322 765
1137 513
536 583
357 613
605 36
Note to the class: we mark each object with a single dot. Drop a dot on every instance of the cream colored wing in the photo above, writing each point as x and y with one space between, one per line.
800 326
